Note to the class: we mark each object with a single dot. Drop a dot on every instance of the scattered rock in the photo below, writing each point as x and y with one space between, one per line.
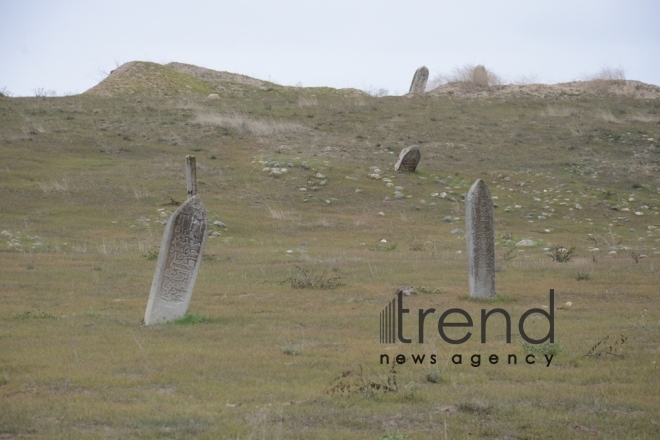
406 290
525 243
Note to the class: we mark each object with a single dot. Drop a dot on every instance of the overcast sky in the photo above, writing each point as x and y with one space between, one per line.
66 45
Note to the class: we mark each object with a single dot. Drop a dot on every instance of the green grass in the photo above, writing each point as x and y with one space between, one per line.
86 182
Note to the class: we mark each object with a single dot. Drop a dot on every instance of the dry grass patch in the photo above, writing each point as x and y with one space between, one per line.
605 80
561 111
54 186
246 124
469 77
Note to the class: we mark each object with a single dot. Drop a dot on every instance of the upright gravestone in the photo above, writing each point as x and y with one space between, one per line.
408 159
480 237
418 84
480 76
179 257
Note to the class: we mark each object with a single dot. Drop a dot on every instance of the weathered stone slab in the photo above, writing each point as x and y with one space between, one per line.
178 263
418 84
408 159
480 237
480 76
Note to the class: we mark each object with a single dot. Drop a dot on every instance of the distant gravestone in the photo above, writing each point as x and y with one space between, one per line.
408 159
480 237
480 76
418 84
179 258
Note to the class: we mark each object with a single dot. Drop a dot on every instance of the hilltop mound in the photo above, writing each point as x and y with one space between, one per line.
621 88
151 79
179 79
217 78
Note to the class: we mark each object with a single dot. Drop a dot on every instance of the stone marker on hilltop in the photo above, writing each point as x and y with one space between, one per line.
408 159
179 257
480 237
480 76
418 84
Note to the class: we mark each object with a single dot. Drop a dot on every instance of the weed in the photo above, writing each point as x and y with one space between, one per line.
34 313
356 382
583 276
475 407
152 254
560 254
396 436
383 247
291 351
191 319
307 279
544 349
608 345
435 377
495 299
423 289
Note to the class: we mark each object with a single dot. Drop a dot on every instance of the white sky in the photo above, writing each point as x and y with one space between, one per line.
65 45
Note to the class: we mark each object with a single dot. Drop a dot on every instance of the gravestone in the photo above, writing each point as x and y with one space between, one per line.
179 258
480 237
480 76
408 159
418 84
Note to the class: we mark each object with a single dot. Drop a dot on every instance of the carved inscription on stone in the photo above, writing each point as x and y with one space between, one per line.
480 237
178 263
418 84
408 159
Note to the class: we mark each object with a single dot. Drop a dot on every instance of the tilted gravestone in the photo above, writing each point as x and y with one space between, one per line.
480 76
408 159
480 237
179 257
418 84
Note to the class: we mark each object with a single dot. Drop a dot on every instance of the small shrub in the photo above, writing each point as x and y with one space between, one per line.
475 407
545 349
152 254
357 382
560 254
291 351
34 313
435 377
583 276
307 279
384 247
468 78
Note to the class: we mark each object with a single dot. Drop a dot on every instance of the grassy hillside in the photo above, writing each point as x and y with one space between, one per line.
87 182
